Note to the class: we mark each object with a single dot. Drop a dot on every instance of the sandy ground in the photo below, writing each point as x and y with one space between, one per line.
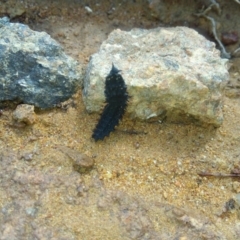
146 169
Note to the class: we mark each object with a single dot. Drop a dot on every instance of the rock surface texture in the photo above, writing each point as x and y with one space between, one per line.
33 67
171 73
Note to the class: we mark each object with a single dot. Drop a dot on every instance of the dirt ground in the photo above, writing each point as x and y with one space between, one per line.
145 183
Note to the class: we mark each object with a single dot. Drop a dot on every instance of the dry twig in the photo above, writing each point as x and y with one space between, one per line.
224 53
235 51
237 1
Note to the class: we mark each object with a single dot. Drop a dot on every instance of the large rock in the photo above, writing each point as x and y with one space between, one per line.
172 73
33 67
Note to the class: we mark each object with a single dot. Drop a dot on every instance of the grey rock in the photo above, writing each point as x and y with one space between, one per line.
34 68
172 73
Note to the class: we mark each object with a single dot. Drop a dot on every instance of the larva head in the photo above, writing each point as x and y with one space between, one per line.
114 70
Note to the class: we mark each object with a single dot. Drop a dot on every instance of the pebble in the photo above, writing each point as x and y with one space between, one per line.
237 199
229 38
81 162
236 186
31 211
88 9
24 113
28 156
165 195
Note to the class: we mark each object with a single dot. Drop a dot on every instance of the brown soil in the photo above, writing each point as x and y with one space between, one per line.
154 166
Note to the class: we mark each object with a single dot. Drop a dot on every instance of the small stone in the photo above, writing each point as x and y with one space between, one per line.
237 199
137 145
24 113
76 33
31 211
230 204
165 195
81 162
236 186
16 12
88 9
32 138
28 156
229 38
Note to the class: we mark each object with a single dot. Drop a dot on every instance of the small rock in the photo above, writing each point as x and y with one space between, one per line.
236 186
157 9
16 11
27 156
25 113
88 9
237 199
165 195
32 138
81 162
230 205
229 38
31 211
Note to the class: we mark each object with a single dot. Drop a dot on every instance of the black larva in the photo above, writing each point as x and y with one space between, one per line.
116 99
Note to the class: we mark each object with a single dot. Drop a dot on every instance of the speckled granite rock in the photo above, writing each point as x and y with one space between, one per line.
171 73
33 67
